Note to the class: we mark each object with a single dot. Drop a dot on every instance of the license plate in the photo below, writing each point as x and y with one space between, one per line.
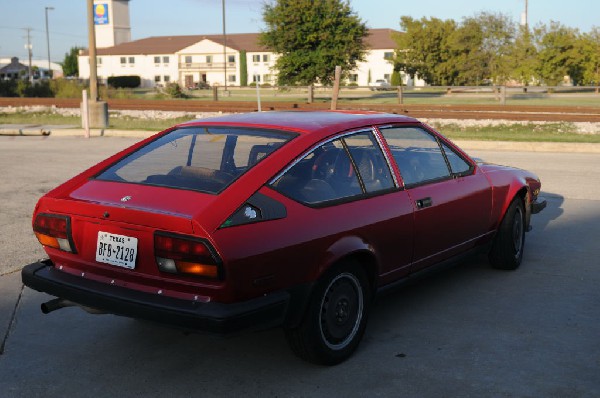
119 250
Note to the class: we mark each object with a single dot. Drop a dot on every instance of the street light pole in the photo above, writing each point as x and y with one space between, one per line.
48 40
224 47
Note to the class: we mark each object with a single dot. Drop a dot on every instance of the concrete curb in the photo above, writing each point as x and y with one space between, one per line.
507 146
510 146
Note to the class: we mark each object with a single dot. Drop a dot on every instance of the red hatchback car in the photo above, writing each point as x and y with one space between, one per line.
293 219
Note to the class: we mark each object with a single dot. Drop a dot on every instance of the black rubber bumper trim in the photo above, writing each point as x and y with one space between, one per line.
263 312
536 206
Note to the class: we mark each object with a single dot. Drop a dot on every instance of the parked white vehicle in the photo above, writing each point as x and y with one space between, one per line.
380 84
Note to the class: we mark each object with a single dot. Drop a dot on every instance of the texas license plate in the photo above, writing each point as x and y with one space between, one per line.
119 250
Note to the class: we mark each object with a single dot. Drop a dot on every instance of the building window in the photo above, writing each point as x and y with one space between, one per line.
387 77
265 57
157 60
267 78
256 58
98 60
256 78
132 60
353 78
231 59
123 61
388 55
165 60
157 79
188 59
166 78
209 59
231 78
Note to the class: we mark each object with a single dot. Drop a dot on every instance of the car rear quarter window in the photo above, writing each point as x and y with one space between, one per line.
340 169
205 159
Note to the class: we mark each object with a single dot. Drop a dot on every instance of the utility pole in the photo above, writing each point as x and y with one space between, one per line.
29 47
98 110
48 40
92 52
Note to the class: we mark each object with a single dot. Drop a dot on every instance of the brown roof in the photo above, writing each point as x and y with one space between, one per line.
377 39
381 39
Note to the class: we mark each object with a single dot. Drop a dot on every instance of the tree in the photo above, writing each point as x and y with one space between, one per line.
243 69
497 35
311 38
423 50
591 48
523 57
69 64
466 56
559 53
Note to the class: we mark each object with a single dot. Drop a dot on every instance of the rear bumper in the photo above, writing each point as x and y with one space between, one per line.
263 312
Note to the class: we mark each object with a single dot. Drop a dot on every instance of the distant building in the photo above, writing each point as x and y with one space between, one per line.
111 19
11 68
193 60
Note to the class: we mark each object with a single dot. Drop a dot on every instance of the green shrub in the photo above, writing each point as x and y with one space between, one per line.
66 88
124 81
173 90
8 88
396 79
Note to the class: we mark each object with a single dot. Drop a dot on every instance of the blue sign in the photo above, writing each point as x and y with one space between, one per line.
101 14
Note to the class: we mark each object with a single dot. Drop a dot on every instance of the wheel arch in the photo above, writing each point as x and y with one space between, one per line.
351 249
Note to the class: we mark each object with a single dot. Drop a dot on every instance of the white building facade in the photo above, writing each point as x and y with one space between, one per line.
193 61
207 60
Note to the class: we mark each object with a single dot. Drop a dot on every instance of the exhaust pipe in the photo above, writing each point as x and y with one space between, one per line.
58 303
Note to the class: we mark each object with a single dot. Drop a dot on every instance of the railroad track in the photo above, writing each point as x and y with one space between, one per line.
496 112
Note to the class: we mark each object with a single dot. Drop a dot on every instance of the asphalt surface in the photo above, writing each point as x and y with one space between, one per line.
471 331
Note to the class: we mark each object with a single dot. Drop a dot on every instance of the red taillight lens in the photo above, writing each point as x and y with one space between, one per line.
186 255
54 231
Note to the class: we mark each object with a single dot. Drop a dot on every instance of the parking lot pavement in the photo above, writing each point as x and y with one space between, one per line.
469 331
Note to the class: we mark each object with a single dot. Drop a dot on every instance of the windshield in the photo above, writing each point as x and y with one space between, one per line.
206 159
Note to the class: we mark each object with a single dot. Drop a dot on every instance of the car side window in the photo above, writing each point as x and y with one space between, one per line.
458 165
336 170
370 162
417 154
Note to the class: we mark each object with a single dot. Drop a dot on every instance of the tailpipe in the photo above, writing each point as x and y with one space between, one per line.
56 304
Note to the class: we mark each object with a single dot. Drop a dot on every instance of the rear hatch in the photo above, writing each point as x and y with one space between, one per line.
126 217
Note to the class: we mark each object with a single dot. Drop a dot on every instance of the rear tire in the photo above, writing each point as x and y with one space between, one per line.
507 249
335 319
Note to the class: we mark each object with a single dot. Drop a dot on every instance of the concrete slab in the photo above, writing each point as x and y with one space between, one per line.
10 295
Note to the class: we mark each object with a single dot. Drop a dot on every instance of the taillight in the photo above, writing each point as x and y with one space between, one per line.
54 231
177 254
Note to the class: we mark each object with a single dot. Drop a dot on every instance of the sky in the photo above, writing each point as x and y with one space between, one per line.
67 22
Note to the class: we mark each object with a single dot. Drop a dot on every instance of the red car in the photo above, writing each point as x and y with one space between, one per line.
293 219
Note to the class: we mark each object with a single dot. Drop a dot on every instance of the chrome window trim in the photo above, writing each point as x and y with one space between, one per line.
377 134
333 138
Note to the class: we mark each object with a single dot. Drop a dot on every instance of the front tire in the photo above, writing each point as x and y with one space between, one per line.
335 319
507 249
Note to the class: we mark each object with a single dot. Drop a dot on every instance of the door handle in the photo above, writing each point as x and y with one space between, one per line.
423 203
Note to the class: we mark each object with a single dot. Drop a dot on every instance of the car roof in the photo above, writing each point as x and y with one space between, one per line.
305 121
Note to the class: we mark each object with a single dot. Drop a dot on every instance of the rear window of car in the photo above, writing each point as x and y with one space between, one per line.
206 159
